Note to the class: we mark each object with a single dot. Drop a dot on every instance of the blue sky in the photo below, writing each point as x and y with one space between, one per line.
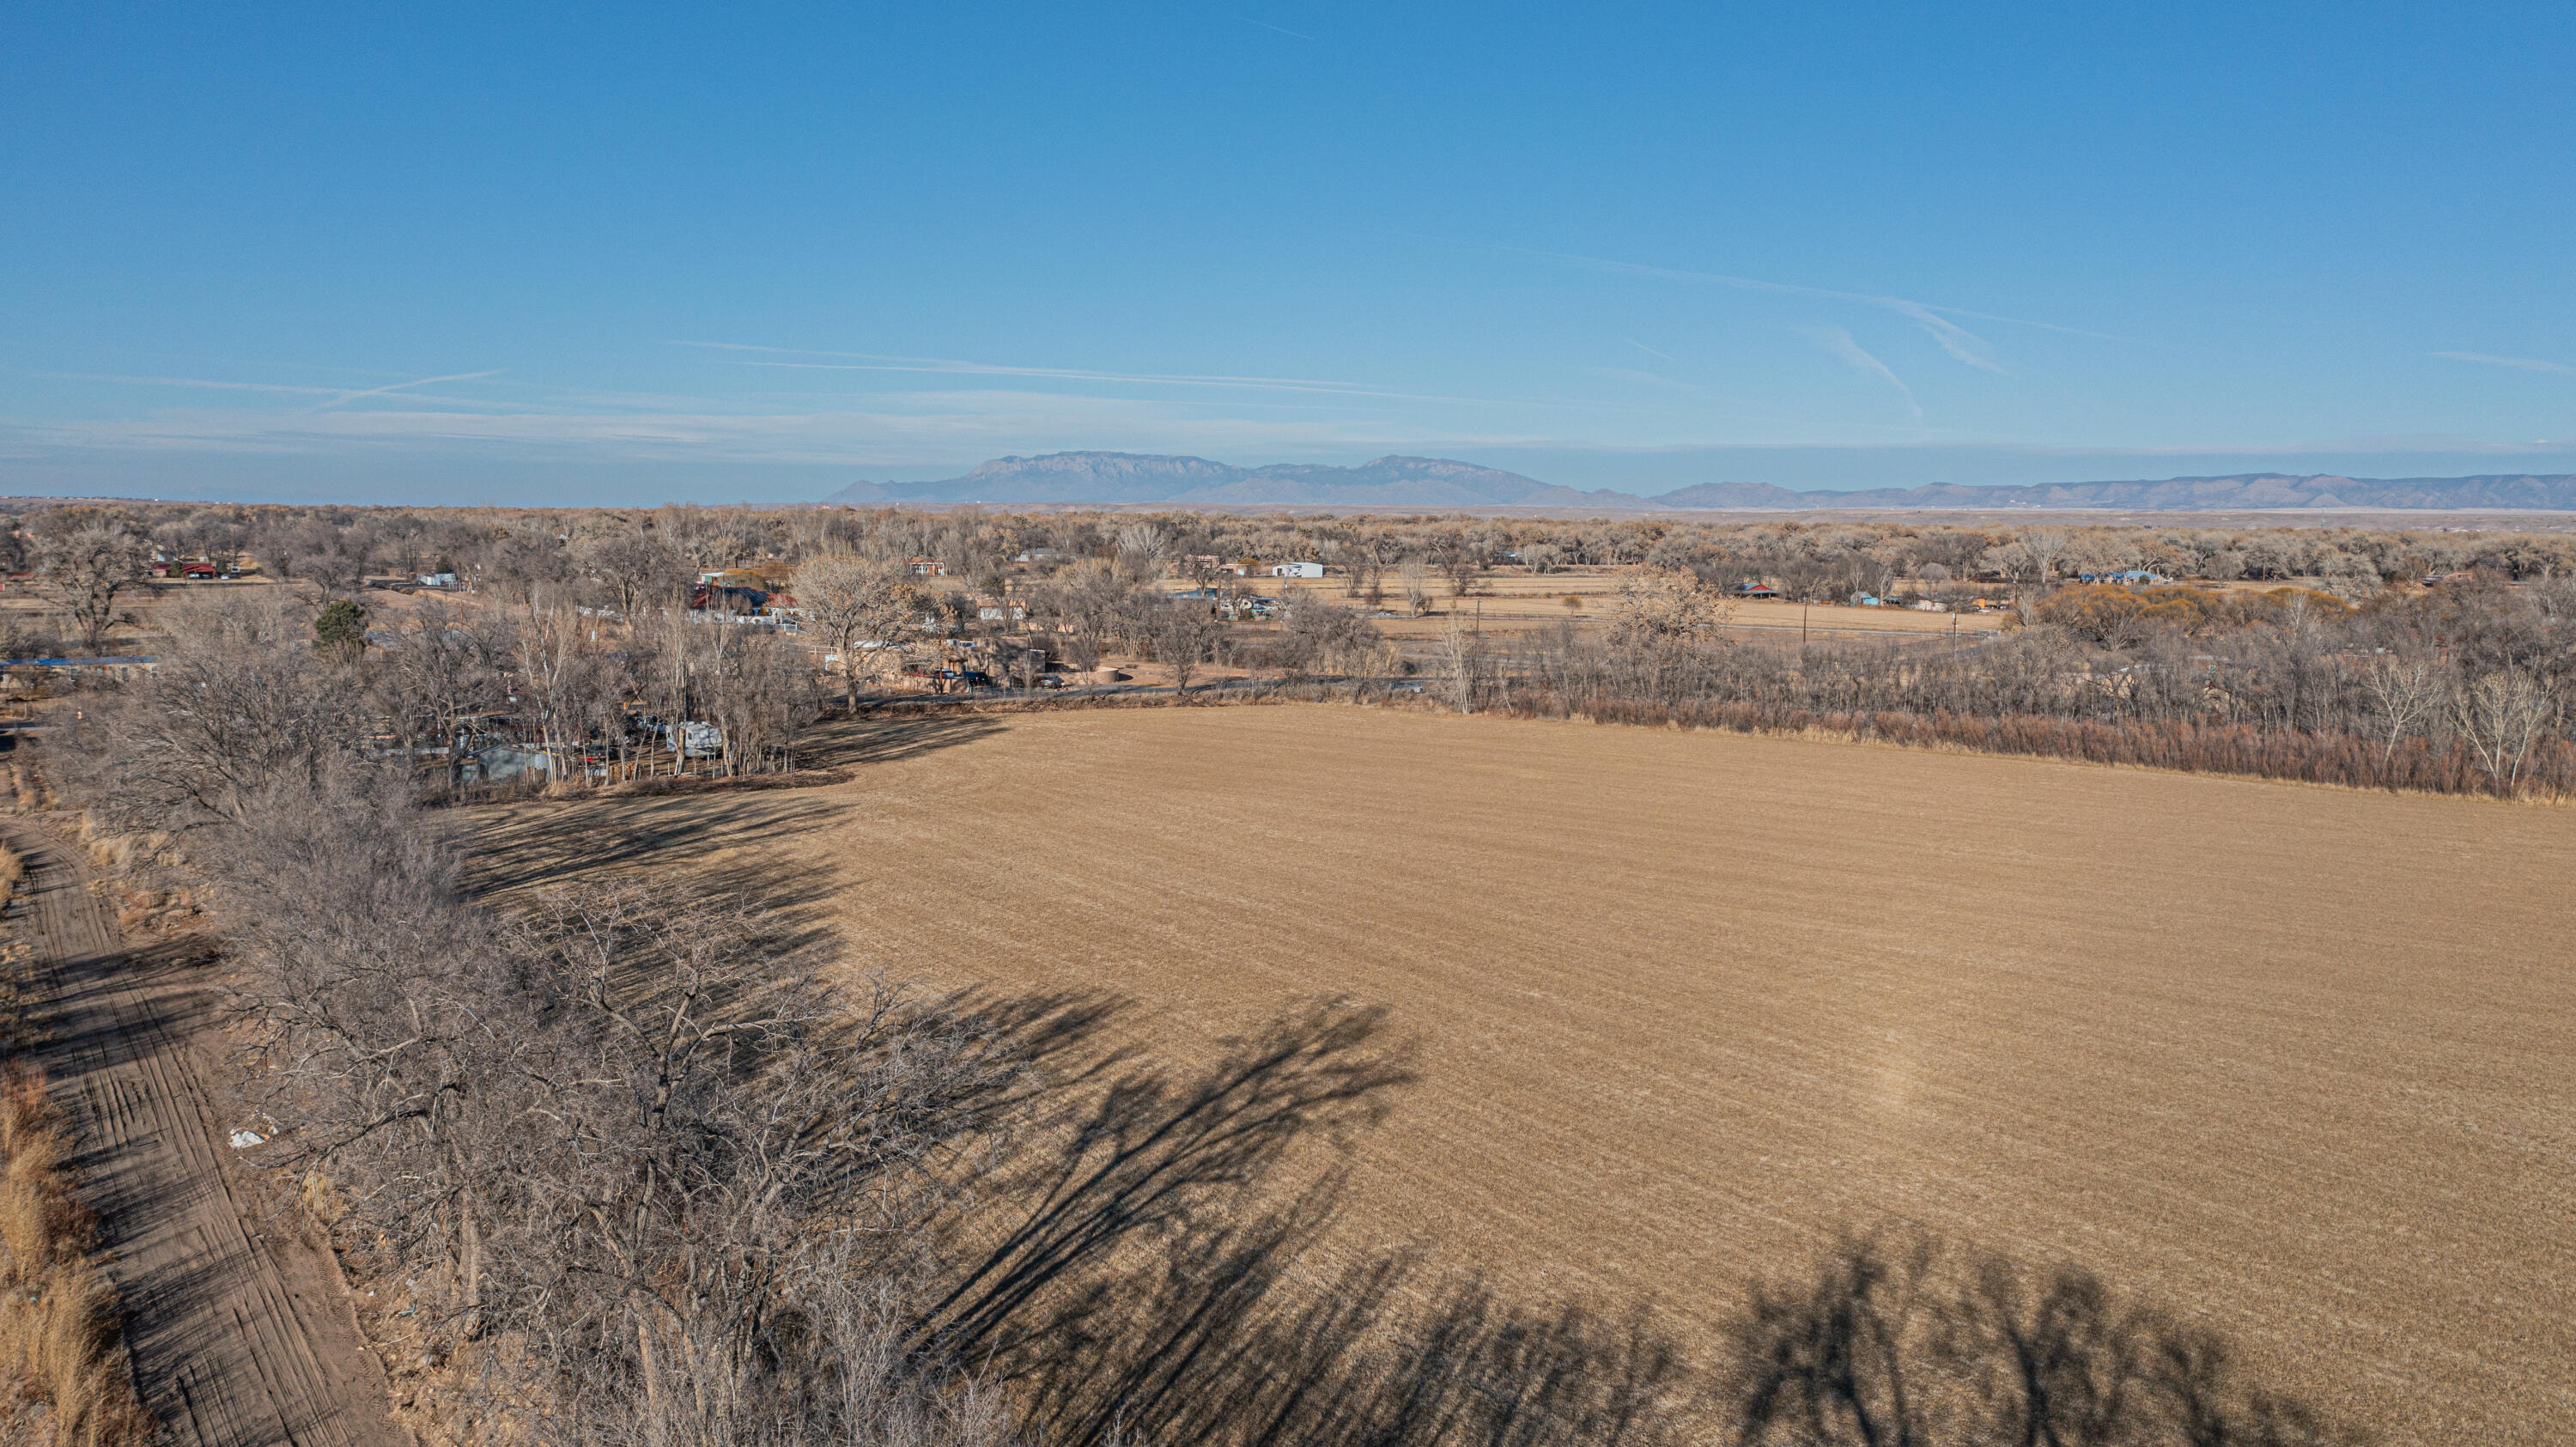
471 253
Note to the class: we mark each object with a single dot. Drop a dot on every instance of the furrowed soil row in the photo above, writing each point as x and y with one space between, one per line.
2293 1060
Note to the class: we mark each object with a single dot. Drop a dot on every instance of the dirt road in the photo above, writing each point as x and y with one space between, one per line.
239 1338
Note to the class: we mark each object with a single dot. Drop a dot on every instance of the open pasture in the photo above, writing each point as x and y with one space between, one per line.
2294 1060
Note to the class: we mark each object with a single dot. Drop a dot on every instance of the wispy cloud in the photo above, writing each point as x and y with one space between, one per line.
1266 25
1651 379
950 367
890 427
1839 343
2527 364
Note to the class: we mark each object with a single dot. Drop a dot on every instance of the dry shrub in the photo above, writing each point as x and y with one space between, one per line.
13 874
61 1360
27 791
123 851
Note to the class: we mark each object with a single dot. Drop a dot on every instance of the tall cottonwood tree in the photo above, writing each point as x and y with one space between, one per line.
847 600
88 571
634 569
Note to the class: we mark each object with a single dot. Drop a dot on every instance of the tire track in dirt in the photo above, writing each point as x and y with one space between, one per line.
238 1337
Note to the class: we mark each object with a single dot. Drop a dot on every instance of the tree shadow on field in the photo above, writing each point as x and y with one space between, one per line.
529 847
842 741
1157 1267
533 843
1898 1337
1151 1273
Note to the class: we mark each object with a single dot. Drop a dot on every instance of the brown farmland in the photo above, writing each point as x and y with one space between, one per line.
2296 1061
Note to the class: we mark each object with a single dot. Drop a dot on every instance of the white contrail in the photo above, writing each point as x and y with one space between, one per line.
193 382
1957 340
1899 305
1840 343
2528 364
401 386
337 395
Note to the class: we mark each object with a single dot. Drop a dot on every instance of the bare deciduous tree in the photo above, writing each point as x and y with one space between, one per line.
1463 664
1183 636
2044 547
634 569
850 600
439 671
87 571
1658 603
1462 561
2407 693
2503 715
234 708
1417 584
1142 548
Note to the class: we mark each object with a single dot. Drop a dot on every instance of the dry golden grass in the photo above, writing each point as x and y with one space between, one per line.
2294 1060
1516 602
28 791
61 1357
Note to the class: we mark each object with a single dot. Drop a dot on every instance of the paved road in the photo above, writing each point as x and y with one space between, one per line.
238 1339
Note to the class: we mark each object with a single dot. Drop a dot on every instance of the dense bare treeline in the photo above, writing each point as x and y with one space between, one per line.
2468 688
627 559
643 1163
576 634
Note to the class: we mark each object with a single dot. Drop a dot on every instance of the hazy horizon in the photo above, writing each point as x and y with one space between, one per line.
579 482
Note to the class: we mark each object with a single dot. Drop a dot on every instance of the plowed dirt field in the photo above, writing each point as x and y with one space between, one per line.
2300 1062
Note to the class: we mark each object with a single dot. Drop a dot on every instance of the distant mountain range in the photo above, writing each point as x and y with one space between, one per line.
1436 482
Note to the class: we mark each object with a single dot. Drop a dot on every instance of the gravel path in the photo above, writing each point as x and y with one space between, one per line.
239 1337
